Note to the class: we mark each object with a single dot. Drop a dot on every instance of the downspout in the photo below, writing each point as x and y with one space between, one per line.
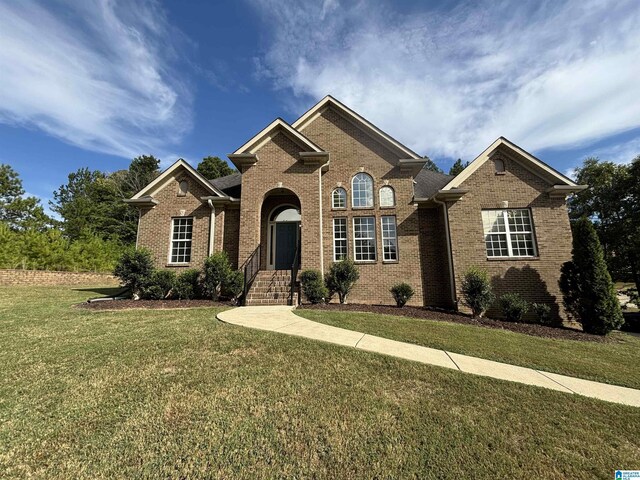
321 227
138 230
212 225
445 215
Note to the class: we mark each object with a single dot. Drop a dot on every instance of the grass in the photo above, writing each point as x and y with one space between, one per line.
616 361
176 394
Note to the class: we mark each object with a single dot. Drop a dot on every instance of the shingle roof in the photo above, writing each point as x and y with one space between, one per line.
228 181
429 182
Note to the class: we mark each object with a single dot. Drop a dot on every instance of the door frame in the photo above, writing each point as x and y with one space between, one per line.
272 241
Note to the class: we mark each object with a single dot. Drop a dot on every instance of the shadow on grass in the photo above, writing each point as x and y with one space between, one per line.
105 291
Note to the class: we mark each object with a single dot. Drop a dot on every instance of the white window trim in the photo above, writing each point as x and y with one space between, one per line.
395 222
346 239
508 233
173 219
393 196
375 240
353 191
333 206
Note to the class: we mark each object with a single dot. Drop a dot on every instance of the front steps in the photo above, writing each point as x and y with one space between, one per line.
271 287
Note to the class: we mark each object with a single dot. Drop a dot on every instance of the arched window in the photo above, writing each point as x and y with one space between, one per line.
339 198
499 165
362 190
387 197
183 188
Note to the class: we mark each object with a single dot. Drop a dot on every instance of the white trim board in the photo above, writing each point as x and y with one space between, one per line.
264 135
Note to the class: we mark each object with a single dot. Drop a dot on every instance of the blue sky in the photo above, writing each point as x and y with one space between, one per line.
96 82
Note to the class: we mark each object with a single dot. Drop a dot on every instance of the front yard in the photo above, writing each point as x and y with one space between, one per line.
174 393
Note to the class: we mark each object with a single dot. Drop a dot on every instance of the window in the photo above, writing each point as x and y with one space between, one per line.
387 197
362 190
181 232
364 239
339 239
389 239
339 198
508 233
183 188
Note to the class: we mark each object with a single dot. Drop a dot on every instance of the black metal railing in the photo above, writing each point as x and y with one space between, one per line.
294 274
251 269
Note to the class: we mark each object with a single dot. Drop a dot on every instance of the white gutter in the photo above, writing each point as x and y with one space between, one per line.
445 213
212 225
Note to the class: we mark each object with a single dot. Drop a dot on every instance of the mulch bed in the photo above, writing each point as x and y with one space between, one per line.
563 333
150 304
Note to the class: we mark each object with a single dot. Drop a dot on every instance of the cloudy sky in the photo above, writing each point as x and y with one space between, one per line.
96 82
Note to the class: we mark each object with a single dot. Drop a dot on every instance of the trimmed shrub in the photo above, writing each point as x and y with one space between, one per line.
513 306
159 285
542 311
187 285
233 285
402 293
588 292
476 290
134 269
313 286
217 269
341 277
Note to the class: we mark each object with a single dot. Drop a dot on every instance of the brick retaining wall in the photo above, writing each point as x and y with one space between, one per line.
45 277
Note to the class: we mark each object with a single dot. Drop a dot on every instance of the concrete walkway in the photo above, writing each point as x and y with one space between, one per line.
281 319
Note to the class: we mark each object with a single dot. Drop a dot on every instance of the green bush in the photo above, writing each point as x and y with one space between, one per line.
217 270
542 311
341 277
187 285
476 291
134 269
159 285
313 286
513 306
402 293
233 285
588 292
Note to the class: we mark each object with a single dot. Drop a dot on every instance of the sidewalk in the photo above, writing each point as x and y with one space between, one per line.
281 319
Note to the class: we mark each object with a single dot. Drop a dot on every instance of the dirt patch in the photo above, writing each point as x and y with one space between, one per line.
563 333
150 304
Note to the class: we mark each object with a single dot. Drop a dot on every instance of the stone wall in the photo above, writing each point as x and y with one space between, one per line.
47 278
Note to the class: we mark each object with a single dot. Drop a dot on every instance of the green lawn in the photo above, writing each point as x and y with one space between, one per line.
176 394
616 361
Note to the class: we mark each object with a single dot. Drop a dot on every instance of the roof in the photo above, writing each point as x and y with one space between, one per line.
228 181
427 183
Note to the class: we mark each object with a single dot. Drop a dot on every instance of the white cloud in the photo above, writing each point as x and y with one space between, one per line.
623 152
93 73
544 74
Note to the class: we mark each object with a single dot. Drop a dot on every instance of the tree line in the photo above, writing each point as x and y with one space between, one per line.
93 225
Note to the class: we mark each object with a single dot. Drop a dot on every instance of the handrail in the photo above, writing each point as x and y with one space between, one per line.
251 268
294 273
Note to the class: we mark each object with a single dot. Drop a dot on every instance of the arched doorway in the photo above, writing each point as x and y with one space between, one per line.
283 237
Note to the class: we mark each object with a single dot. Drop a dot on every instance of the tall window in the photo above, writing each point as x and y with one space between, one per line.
339 239
181 233
387 197
364 239
362 190
508 233
339 198
389 239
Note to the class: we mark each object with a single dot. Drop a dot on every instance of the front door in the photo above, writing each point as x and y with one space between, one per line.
286 242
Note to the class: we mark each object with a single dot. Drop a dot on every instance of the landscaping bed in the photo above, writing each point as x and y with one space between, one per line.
562 333
150 304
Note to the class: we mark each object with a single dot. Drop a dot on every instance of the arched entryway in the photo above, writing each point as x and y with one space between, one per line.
280 230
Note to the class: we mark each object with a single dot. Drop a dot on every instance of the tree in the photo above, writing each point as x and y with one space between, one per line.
587 289
214 167
17 211
142 171
431 165
457 167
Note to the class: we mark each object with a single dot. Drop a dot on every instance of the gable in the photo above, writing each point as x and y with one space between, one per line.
278 126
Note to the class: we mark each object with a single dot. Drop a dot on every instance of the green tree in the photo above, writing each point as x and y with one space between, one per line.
457 167
214 167
431 165
17 211
588 292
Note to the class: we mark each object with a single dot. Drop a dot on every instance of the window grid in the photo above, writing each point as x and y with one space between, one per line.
181 234
364 239
389 239
339 198
362 190
508 233
339 239
387 197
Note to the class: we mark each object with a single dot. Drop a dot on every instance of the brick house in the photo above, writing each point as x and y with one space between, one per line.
331 185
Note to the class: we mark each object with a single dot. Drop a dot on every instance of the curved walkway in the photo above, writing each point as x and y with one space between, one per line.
281 319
